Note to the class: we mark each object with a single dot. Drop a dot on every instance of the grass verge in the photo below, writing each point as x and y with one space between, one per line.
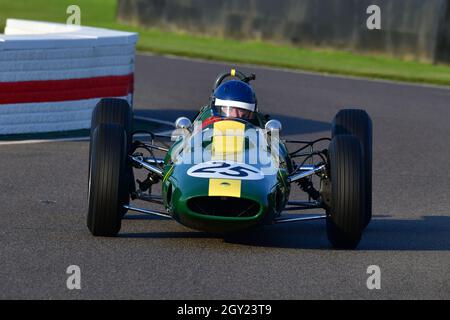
101 13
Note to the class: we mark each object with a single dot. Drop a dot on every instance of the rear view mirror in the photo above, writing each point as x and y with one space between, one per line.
183 123
273 125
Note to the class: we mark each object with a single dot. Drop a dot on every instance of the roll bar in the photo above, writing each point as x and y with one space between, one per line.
233 73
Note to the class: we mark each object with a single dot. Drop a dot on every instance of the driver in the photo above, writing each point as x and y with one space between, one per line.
234 99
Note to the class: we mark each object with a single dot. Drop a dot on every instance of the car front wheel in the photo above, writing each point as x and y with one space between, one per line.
107 189
345 217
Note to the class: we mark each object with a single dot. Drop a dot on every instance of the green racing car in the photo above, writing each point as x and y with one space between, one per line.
228 170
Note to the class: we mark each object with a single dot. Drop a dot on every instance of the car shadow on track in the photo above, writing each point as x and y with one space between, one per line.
291 125
430 233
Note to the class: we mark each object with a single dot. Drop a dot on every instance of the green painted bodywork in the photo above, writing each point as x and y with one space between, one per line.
272 192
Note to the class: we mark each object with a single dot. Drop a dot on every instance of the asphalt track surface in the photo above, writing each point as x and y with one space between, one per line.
43 205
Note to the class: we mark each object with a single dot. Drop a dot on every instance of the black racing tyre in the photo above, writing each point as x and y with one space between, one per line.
345 217
113 110
107 189
358 123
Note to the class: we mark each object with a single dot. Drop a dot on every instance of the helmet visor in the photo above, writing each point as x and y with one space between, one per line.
235 112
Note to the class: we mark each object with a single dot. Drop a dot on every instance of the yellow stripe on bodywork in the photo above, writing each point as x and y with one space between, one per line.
224 188
228 144
168 173
228 141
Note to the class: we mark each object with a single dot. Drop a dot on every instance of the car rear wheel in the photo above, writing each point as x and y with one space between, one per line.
345 217
113 110
107 190
358 123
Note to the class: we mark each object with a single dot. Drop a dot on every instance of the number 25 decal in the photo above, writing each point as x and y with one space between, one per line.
225 170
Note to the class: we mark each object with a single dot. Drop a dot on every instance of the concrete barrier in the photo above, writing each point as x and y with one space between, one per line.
52 75
410 28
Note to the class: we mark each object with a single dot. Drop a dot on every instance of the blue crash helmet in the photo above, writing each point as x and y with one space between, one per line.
234 99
